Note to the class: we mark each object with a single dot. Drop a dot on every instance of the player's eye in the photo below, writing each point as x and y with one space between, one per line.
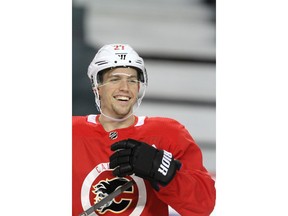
114 80
133 81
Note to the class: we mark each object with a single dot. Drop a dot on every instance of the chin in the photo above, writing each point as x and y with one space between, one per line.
122 111
122 114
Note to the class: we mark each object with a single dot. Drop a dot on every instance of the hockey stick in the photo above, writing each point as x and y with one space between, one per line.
110 197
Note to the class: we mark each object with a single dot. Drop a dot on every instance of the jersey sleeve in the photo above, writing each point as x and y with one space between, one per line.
192 191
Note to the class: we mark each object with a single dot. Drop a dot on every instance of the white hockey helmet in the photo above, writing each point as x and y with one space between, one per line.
116 55
112 56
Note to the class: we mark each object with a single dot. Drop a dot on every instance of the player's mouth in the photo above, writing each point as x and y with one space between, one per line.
122 98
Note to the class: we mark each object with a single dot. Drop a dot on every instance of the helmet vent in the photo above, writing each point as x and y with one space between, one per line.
101 62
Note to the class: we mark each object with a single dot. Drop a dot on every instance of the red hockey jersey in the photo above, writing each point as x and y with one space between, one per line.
191 192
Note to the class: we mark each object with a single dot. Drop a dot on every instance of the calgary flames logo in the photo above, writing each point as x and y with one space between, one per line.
100 182
104 188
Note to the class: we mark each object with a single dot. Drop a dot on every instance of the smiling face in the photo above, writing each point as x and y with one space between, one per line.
118 92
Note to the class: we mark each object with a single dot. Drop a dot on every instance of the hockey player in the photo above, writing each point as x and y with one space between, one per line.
116 146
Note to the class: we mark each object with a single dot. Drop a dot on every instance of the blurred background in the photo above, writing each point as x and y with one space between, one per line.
176 39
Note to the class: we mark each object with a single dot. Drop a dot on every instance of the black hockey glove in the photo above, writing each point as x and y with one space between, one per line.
145 161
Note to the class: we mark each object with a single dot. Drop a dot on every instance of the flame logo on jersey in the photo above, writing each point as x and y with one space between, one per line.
100 182
104 188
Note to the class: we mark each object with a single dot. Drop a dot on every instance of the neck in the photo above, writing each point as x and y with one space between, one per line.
109 124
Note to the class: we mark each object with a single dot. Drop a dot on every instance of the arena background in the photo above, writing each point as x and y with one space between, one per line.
176 38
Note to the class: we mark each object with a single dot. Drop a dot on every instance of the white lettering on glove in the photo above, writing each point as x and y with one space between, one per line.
165 164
